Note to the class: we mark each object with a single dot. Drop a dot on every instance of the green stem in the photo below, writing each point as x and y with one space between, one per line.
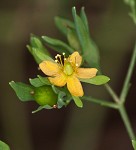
112 93
126 121
100 102
128 77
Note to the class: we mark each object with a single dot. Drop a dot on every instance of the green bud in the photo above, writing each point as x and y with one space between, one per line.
45 95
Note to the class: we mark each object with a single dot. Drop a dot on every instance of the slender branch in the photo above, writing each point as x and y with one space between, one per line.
100 102
112 93
126 85
126 121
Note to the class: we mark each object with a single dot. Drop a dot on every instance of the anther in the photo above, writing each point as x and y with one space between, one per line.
56 56
77 65
32 92
55 106
63 53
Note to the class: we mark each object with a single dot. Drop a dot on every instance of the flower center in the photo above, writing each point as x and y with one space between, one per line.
68 70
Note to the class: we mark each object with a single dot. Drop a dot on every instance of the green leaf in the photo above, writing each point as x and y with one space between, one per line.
134 144
4 146
42 107
35 43
23 91
84 18
97 80
63 24
57 45
73 39
32 52
36 82
89 48
77 101
61 101
64 97
44 80
40 55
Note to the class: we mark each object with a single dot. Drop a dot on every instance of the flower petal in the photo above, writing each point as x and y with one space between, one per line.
86 73
76 59
49 68
59 80
74 86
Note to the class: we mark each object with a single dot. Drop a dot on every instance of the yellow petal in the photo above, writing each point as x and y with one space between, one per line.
74 86
76 59
59 80
49 68
86 73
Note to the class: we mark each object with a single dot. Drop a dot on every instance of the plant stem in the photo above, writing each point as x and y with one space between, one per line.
128 77
126 121
100 102
112 93
122 112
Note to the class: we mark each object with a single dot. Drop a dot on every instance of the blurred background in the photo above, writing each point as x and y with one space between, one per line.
91 128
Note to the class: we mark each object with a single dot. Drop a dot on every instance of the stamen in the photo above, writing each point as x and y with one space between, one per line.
32 92
60 60
55 106
77 65
56 60
63 54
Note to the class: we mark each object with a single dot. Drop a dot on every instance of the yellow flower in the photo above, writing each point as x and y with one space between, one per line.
66 71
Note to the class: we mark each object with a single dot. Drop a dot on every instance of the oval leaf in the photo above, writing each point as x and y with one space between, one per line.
40 55
57 45
32 52
98 80
44 80
36 82
4 146
35 42
23 91
78 101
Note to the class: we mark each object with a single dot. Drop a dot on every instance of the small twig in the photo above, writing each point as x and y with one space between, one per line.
126 85
100 102
126 121
112 93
